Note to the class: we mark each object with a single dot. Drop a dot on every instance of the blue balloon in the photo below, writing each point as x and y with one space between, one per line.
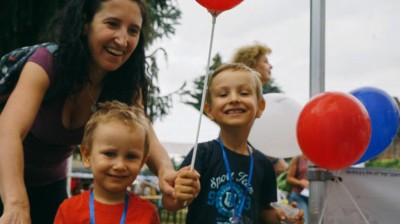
384 114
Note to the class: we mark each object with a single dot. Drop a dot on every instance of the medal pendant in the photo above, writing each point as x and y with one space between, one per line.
234 220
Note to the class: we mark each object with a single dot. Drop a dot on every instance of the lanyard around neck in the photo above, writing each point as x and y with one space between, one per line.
237 209
91 205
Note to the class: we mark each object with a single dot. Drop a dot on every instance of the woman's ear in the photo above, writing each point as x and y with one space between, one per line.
85 29
85 156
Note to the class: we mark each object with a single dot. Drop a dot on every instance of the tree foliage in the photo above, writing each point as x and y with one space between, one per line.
25 22
193 95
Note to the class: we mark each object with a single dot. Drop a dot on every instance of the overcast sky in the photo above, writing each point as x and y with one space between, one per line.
362 43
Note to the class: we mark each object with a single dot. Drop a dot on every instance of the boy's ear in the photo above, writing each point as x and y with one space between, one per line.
85 156
145 158
261 108
207 109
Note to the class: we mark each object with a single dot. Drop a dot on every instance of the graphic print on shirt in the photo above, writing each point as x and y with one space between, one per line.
223 198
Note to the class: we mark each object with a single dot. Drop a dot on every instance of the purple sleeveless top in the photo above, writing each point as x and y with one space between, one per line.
301 172
48 144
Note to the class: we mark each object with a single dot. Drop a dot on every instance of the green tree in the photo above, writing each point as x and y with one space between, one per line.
193 95
24 22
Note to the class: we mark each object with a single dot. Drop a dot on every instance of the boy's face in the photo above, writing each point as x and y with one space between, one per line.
116 156
234 99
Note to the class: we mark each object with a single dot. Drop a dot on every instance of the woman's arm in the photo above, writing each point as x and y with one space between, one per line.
161 165
15 122
159 162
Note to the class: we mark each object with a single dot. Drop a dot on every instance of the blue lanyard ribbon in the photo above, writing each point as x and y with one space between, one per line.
238 210
91 205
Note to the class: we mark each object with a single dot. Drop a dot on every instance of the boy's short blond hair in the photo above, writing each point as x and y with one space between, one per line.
131 116
236 67
250 54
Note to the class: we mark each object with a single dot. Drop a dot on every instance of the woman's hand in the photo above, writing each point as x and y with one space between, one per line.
15 215
166 178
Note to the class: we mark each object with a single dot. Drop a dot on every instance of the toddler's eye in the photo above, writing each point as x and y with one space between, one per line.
109 154
131 156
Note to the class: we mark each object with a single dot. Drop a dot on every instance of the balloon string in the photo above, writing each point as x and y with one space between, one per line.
214 18
354 202
327 199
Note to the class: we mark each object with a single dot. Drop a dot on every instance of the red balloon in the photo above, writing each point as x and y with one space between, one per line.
219 5
333 130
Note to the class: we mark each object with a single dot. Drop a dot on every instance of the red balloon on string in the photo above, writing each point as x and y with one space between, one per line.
333 130
219 5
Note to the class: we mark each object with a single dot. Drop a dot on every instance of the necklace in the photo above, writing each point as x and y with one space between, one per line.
236 213
91 208
93 107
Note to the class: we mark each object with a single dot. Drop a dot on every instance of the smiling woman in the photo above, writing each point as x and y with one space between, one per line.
100 53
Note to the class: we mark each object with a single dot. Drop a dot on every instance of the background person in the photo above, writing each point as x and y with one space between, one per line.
100 58
297 177
256 57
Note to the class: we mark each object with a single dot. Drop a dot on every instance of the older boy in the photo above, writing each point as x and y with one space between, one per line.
238 182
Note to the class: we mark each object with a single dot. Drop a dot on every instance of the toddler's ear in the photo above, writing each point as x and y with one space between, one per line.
85 156
145 158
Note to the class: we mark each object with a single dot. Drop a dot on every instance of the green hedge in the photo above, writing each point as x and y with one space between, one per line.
384 163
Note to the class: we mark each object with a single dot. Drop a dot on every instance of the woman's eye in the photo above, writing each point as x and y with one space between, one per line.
134 31
112 23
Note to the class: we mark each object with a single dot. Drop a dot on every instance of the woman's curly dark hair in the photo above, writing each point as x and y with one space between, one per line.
126 84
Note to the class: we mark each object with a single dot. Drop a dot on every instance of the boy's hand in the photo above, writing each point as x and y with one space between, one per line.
286 213
187 185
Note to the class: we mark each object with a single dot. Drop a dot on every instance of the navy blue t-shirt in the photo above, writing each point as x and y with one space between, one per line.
214 202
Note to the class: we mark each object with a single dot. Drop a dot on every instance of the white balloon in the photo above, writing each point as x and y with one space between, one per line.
274 133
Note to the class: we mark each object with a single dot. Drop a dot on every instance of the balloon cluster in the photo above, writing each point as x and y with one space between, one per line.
336 130
274 133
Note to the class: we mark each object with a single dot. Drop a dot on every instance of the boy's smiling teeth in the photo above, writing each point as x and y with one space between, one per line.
235 111
114 51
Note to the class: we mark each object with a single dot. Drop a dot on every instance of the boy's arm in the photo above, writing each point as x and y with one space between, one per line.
187 187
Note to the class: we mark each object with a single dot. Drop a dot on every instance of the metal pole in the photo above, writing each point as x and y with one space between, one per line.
316 175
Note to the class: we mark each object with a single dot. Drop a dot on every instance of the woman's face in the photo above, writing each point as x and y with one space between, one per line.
264 68
113 34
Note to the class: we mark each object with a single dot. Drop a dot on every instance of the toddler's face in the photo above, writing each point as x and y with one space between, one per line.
116 156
